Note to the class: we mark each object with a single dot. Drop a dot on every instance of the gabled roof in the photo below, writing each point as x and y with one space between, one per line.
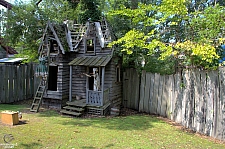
91 61
50 26
5 4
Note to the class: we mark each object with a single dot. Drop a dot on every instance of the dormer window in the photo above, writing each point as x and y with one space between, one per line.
90 46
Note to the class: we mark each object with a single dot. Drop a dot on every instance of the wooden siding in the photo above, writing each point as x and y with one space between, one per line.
115 88
62 80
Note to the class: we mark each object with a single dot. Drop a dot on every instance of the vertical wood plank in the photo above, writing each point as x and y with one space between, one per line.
169 95
221 108
151 93
15 88
6 86
156 91
191 101
137 90
198 96
203 101
210 103
163 97
147 95
27 81
19 76
129 88
142 91
221 128
159 96
177 110
185 98
125 89
11 92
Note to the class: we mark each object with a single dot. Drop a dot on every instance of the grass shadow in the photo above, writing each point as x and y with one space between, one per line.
30 145
91 147
132 122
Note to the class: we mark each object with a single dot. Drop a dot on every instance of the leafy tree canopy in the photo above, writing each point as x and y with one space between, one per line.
180 31
161 33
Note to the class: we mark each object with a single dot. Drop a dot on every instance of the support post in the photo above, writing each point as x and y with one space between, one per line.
87 85
70 92
103 79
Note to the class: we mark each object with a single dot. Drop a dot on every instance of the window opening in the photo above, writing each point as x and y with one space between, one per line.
90 45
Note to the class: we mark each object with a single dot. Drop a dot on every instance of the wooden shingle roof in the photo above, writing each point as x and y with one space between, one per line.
91 61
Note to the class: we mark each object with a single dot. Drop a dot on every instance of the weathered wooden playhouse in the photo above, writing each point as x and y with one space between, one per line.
78 71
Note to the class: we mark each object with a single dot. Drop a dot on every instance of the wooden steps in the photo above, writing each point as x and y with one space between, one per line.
70 113
75 108
79 107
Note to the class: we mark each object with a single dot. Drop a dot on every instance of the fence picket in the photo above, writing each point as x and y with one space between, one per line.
142 91
146 93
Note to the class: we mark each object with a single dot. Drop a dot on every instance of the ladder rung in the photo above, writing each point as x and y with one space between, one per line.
37 98
32 110
35 104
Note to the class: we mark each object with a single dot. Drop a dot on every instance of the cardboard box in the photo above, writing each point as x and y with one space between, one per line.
9 117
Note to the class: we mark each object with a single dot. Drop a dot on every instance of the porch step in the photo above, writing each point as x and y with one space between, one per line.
74 108
71 113
78 103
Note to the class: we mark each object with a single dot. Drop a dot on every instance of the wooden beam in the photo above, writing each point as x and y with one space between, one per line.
56 37
38 2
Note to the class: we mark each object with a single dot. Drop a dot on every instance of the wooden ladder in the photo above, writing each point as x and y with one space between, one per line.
45 51
39 95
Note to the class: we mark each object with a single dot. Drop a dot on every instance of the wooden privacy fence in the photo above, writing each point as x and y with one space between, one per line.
195 99
17 82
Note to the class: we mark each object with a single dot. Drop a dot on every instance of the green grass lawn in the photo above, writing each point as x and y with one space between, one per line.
48 129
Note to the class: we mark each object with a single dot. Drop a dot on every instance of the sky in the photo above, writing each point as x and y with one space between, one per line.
12 1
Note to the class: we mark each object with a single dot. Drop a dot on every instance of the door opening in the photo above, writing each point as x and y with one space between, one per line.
52 79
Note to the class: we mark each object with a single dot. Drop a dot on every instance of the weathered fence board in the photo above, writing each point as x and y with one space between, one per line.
147 93
194 98
131 89
16 82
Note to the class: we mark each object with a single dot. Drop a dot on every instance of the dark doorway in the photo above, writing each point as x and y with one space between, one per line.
52 79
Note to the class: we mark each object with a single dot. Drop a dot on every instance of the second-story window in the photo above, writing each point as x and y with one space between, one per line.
90 46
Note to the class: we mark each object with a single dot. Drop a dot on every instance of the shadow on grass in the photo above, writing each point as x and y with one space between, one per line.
133 122
22 122
30 145
91 147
